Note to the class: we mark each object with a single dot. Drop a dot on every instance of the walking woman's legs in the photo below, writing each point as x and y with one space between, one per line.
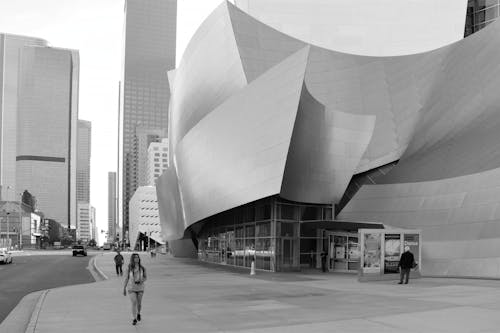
133 298
139 302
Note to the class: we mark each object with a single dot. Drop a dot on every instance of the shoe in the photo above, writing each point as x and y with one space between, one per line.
134 322
406 282
138 317
400 282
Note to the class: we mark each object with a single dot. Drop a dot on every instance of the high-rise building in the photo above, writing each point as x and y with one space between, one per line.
143 138
11 47
149 52
111 206
480 13
83 161
47 114
93 223
157 160
84 228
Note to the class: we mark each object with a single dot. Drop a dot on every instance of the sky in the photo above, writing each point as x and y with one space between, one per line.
95 28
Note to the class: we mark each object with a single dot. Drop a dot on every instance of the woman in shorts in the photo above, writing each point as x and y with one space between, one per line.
136 273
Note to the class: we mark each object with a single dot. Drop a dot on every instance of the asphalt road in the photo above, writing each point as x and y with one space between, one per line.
32 273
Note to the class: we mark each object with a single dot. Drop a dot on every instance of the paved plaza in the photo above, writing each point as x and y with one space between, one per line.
187 296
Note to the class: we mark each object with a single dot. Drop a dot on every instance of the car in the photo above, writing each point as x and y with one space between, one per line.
79 249
5 257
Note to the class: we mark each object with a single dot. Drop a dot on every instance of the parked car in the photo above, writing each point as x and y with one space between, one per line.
79 249
5 257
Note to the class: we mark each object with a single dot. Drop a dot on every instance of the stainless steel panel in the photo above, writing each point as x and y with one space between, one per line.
325 151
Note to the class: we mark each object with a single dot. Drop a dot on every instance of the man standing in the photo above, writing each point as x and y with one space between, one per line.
118 263
323 261
406 263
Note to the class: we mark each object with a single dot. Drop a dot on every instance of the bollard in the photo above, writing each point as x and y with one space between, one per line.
252 268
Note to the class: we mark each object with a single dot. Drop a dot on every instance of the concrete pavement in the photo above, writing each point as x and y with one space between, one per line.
186 296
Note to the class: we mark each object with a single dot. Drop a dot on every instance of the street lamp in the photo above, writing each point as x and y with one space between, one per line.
20 229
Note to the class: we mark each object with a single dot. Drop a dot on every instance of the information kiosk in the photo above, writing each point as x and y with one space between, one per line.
381 249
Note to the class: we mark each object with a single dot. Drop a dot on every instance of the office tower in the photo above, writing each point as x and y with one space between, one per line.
143 138
10 49
47 113
83 161
93 223
157 160
111 207
480 13
84 227
149 52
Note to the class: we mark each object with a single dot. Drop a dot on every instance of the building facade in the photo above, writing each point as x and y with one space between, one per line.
11 47
112 208
19 226
144 218
84 228
149 52
83 161
157 160
47 114
143 138
267 136
93 223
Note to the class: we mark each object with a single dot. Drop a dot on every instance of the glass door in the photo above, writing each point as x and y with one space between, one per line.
353 254
222 248
288 250
340 253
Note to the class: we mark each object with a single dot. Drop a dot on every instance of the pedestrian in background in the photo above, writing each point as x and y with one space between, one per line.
406 263
137 274
118 263
323 261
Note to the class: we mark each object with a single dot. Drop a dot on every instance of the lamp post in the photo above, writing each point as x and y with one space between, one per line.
8 236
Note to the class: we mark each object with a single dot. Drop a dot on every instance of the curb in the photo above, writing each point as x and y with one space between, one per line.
36 312
97 269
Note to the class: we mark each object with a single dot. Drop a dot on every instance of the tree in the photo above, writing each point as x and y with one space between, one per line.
66 240
28 200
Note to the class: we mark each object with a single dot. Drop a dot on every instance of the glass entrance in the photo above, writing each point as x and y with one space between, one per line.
343 252
288 250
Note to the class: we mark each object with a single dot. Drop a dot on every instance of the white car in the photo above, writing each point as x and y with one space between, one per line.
5 257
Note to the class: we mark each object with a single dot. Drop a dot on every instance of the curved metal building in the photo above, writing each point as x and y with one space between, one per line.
256 115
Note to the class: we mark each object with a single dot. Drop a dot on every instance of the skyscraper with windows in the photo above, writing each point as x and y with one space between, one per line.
47 115
149 52
83 161
480 13
11 47
111 206
157 160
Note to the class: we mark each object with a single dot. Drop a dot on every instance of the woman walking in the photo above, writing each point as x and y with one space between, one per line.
137 273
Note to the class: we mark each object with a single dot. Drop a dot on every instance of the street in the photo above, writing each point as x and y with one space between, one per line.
29 273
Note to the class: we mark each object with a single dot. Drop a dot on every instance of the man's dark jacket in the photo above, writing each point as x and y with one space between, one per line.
406 260
119 259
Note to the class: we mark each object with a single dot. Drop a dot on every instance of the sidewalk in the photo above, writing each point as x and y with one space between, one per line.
187 296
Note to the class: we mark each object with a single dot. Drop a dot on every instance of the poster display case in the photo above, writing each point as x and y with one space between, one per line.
381 250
